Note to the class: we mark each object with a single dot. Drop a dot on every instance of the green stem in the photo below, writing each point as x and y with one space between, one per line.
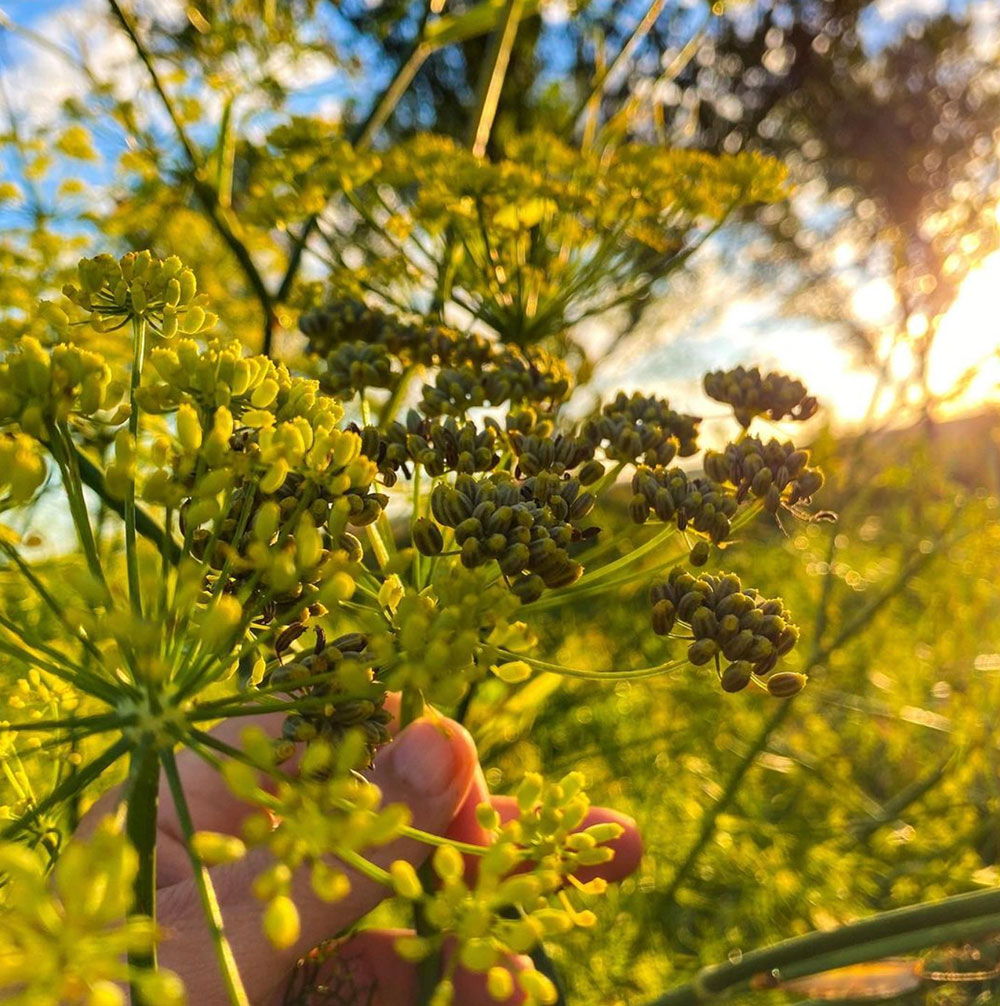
131 551
624 54
61 446
143 789
899 931
575 672
391 405
209 902
91 477
494 73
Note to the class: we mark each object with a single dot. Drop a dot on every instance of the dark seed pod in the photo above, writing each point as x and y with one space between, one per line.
570 573
427 537
528 588
704 624
784 684
737 676
350 642
700 553
287 636
689 604
591 472
761 482
760 649
352 546
472 554
664 616
638 509
514 559
701 651
787 640
739 645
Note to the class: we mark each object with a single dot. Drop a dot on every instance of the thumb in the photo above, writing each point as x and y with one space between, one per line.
429 767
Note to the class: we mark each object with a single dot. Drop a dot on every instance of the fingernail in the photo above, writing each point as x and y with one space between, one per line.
423 758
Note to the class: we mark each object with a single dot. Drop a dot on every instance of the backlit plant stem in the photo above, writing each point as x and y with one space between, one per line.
206 892
143 788
131 546
900 931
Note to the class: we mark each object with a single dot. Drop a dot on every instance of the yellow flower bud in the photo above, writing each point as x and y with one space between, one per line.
281 921
220 623
539 988
499 983
448 863
413 948
188 428
214 848
529 791
274 476
105 994
513 671
264 394
163 988
328 883
193 320
308 545
478 954
405 881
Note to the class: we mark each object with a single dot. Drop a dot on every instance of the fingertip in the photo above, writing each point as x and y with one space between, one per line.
627 847
430 765
472 987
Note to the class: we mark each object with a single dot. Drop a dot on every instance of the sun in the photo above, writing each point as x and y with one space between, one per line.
967 345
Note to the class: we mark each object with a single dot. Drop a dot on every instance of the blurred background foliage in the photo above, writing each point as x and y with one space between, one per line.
878 786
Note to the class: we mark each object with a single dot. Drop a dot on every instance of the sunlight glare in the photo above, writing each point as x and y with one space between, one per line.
969 337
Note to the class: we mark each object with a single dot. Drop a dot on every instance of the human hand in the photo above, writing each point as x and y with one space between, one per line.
432 767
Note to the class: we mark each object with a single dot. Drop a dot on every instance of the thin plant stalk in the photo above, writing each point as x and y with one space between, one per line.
131 546
143 788
235 991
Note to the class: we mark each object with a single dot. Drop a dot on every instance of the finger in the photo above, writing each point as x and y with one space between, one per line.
465 827
429 767
627 847
365 968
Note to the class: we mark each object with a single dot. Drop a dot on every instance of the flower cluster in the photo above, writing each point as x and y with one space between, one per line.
525 527
438 445
112 292
335 689
492 910
65 938
264 480
326 810
271 561
364 347
642 428
752 394
776 473
728 622
22 468
42 387
670 494
444 642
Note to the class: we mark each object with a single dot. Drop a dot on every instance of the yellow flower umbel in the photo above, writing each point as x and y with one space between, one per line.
139 287
64 940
